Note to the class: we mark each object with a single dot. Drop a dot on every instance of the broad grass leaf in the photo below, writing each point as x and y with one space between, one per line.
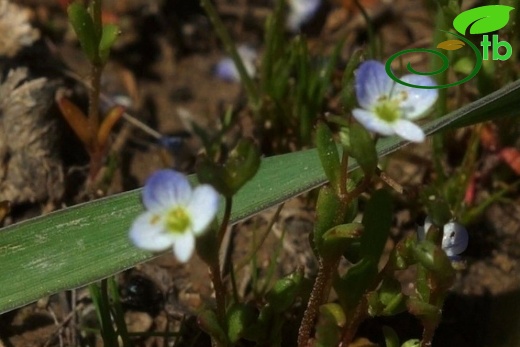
87 242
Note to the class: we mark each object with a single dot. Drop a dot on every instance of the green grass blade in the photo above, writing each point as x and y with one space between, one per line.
84 243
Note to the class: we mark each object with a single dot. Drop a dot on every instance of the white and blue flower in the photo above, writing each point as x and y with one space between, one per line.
226 69
454 237
388 108
301 12
175 214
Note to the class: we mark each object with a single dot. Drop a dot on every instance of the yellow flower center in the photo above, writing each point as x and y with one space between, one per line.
177 220
388 109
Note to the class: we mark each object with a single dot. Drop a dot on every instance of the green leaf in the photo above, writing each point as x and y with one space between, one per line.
377 220
84 243
330 321
84 29
391 338
284 291
411 343
391 297
209 323
434 259
359 144
108 37
351 287
328 152
328 214
483 19
241 165
337 240
436 207
239 318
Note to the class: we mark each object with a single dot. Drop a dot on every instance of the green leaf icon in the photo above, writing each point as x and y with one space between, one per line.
483 19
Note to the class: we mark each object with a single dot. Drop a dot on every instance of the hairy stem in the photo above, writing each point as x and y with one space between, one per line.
220 290
315 300
214 267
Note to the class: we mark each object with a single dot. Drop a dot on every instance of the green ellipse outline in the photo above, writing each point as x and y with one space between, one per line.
445 65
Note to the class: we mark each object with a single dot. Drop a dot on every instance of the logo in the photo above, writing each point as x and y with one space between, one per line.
480 21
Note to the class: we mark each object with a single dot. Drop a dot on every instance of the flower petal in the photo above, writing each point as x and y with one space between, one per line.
455 239
164 189
416 101
408 130
300 12
372 83
372 123
147 232
183 247
226 70
203 207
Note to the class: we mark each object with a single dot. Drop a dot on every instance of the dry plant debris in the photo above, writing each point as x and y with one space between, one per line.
18 32
30 170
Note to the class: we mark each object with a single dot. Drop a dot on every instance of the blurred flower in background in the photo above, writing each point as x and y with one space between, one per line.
301 12
226 69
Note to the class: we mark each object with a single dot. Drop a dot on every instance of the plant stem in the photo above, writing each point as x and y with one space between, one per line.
318 290
225 220
323 282
220 290
93 110
359 315
370 29
118 313
442 78
343 174
214 267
